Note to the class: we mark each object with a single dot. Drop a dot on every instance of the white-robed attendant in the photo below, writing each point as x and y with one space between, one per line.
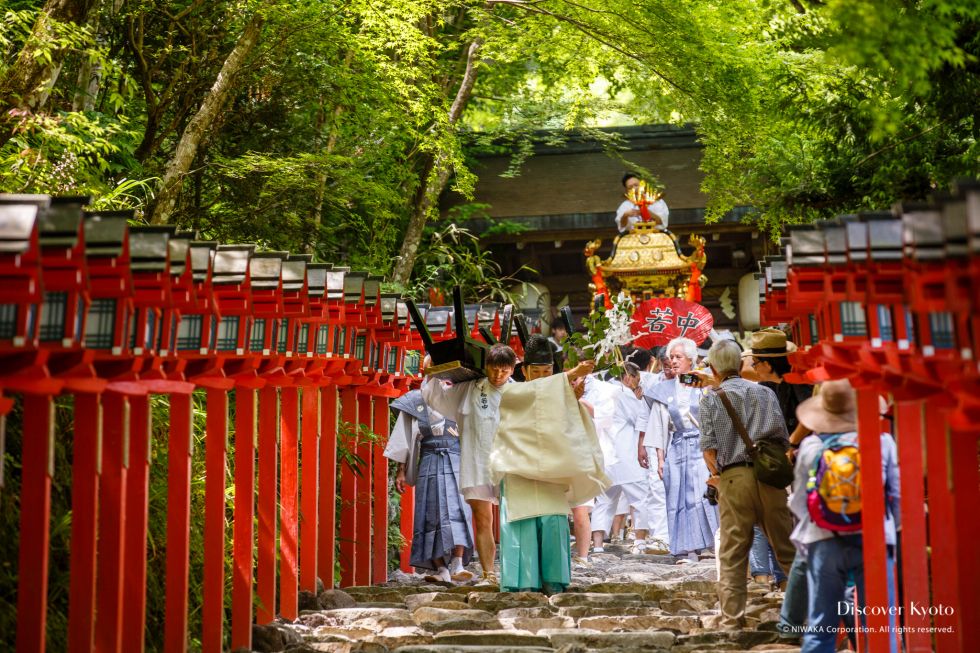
673 430
629 412
628 213
475 406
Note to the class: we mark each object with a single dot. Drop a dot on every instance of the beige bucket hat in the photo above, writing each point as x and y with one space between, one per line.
769 343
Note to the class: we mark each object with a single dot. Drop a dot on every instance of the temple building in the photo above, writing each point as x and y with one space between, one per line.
566 196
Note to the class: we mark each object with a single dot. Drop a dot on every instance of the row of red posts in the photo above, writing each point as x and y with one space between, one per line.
111 313
891 300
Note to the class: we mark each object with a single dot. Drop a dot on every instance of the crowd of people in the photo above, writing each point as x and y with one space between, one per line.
710 454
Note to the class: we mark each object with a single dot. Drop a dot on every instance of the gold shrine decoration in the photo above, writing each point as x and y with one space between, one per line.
647 262
642 194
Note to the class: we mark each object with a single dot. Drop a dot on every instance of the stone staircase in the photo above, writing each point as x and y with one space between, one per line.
623 603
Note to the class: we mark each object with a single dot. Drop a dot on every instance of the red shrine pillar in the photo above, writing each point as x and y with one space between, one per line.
379 552
327 506
915 557
407 527
309 512
362 530
215 459
289 502
348 490
242 579
84 528
945 554
137 516
873 518
965 486
35 523
113 512
178 522
267 503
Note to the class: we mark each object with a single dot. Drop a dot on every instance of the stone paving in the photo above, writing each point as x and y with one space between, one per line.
623 603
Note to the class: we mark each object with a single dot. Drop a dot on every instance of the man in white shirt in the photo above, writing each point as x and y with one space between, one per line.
628 213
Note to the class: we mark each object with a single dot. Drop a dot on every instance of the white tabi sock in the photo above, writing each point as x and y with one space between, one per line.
444 575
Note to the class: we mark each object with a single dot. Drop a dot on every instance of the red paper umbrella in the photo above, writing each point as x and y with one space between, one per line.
658 321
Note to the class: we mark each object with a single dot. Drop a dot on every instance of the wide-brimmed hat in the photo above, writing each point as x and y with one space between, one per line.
833 410
769 343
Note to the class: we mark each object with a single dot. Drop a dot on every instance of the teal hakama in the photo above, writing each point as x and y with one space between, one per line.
535 553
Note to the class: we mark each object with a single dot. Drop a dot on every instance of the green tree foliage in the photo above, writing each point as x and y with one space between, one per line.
805 108
339 124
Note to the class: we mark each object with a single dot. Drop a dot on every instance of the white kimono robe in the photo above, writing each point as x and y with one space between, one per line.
600 395
658 208
404 432
629 418
475 406
546 448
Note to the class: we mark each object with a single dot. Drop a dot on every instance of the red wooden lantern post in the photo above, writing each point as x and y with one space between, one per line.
193 342
25 244
296 329
941 361
366 379
266 274
312 346
236 331
333 373
107 335
149 264
385 336
62 328
866 383
350 415
230 287
888 350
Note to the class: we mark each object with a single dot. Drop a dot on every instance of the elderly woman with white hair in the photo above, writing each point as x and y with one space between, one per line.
673 430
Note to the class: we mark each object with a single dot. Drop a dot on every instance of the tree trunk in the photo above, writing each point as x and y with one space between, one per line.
437 177
190 140
89 72
321 177
28 81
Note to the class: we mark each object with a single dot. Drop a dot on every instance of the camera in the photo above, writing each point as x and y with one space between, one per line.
711 494
689 378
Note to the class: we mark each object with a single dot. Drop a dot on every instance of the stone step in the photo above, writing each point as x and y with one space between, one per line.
623 603
624 642
496 638
457 648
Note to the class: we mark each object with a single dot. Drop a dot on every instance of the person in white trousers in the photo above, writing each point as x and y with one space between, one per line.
629 413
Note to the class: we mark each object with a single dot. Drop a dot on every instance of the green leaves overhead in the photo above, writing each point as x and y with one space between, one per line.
340 124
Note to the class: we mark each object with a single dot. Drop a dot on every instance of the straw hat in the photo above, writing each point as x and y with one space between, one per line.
769 343
832 411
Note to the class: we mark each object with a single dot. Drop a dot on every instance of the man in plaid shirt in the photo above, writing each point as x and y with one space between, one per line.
743 502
